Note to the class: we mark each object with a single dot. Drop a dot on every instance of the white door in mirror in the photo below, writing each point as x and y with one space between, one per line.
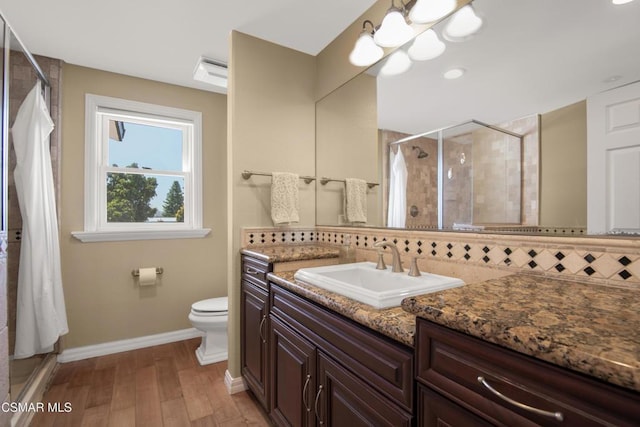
613 161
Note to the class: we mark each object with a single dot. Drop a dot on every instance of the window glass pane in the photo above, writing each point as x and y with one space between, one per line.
135 197
148 147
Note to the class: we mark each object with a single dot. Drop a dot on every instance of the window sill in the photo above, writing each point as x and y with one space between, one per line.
116 236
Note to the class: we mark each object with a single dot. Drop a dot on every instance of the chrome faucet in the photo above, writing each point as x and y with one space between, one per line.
397 264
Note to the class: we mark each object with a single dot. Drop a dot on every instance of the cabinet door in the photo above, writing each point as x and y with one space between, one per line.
293 369
434 410
254 344
343 400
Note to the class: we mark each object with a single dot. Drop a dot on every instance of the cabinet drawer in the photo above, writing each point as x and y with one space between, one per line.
255 271
436 411
385 365
347 401
454 363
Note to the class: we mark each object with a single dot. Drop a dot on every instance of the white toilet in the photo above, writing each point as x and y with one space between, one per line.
210 316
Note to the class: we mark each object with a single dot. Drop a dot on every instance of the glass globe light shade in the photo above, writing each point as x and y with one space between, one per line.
426 46
397 63
394 30
431 10
366 51
462 24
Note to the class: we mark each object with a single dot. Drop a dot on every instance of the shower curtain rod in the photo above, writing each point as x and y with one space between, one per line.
477 122
26 52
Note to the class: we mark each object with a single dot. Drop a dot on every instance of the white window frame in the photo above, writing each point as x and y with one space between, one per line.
96 228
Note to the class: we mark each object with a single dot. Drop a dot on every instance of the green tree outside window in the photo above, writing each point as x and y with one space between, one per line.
174 203
128 196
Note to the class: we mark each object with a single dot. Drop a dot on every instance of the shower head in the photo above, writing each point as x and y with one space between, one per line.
421 153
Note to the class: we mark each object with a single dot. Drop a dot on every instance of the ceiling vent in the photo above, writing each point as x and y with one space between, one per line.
211 72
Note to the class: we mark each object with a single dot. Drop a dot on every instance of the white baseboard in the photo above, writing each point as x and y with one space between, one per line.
86 352
234 385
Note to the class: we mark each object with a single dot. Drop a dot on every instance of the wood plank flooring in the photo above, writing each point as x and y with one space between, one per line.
156 386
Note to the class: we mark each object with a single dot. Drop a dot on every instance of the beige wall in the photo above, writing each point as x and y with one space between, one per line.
103 303
347 147
563 167
271 128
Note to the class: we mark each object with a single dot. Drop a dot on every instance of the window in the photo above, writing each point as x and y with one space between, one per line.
143 175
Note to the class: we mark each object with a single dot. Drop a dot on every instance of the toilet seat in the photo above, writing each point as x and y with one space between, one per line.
211 307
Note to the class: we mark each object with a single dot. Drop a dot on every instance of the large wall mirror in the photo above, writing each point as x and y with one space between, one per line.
528 72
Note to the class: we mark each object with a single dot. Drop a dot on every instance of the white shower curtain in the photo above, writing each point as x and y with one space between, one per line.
397 212
41 316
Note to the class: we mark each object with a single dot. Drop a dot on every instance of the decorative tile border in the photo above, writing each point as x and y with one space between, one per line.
613 262
270 236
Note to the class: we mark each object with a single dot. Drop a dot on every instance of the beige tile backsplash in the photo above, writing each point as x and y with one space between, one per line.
476 257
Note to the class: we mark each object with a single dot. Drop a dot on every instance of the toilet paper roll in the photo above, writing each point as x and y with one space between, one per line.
147 276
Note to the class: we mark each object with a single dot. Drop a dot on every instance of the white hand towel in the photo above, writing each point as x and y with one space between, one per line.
284 198
355 200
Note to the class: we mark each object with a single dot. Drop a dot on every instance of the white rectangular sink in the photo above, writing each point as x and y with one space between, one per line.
378 288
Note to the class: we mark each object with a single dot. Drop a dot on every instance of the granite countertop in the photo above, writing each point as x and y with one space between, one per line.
394 322
286 253
582 327
587 328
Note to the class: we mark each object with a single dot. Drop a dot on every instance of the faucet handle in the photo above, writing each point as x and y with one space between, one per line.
414 271
381 265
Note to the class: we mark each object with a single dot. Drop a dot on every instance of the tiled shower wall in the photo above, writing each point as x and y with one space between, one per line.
515 202
422 178
23 78
596 260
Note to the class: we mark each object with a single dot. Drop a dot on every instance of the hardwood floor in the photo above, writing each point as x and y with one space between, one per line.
156 386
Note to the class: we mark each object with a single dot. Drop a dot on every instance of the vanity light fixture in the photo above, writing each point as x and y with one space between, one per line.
397 63
462 24
431 10
394 30
426 46
454 73
366 51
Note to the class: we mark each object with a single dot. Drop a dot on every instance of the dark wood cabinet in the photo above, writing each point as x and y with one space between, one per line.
293 377
462 377
254 325
330 371
435 410
343 399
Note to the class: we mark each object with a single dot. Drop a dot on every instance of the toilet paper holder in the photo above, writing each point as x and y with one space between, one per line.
136 272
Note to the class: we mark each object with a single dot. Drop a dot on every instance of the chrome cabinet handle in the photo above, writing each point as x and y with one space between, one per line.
304 394
315 406
557 415
261 327
251 270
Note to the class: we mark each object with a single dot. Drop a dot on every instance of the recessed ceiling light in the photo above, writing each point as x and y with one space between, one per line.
454 73
621 1
611 79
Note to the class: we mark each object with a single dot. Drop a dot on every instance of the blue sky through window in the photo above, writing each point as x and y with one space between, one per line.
151 147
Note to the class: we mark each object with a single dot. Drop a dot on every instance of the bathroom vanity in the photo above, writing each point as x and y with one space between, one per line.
521 350
254 324
465 381
327 368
